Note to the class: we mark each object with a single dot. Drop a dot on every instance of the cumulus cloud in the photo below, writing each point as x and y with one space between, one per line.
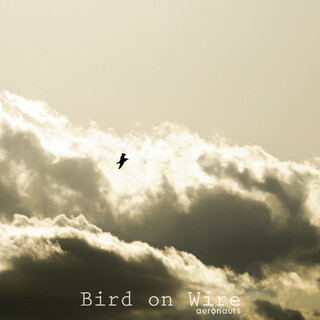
47 263
275 312
235 218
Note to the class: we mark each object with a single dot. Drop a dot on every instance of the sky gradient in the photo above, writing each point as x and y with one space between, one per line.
247 69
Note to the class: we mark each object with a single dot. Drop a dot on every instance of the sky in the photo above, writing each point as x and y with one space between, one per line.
215 105
246 69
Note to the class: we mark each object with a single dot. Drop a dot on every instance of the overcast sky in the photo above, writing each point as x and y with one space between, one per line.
248 69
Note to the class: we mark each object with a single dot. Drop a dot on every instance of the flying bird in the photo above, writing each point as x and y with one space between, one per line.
122 160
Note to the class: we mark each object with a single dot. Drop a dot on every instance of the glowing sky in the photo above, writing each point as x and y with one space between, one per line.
249 69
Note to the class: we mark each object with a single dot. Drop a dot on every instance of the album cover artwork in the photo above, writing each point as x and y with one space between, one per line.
159 160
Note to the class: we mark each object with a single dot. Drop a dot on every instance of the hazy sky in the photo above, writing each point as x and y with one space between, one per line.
249 69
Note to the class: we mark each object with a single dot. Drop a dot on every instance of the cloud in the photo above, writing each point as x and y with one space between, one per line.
47 263
234 218
275 312
316 313
33 182
214 215
52 286
222 228
58 258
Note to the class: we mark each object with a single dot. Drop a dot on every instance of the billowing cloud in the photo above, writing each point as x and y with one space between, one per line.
46 264
275 312
192 214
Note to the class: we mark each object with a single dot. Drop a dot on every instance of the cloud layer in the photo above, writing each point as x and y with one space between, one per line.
192 214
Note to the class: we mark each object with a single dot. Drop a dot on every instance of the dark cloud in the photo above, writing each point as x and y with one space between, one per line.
316 313
50 288
10 197
272 311
69 185
222 229
291 192
310 257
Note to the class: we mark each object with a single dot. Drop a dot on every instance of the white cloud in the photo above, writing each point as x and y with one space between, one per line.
171 151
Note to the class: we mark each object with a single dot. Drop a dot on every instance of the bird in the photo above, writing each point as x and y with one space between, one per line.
122 160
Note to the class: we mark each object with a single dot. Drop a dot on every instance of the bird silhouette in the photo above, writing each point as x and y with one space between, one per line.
122 160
